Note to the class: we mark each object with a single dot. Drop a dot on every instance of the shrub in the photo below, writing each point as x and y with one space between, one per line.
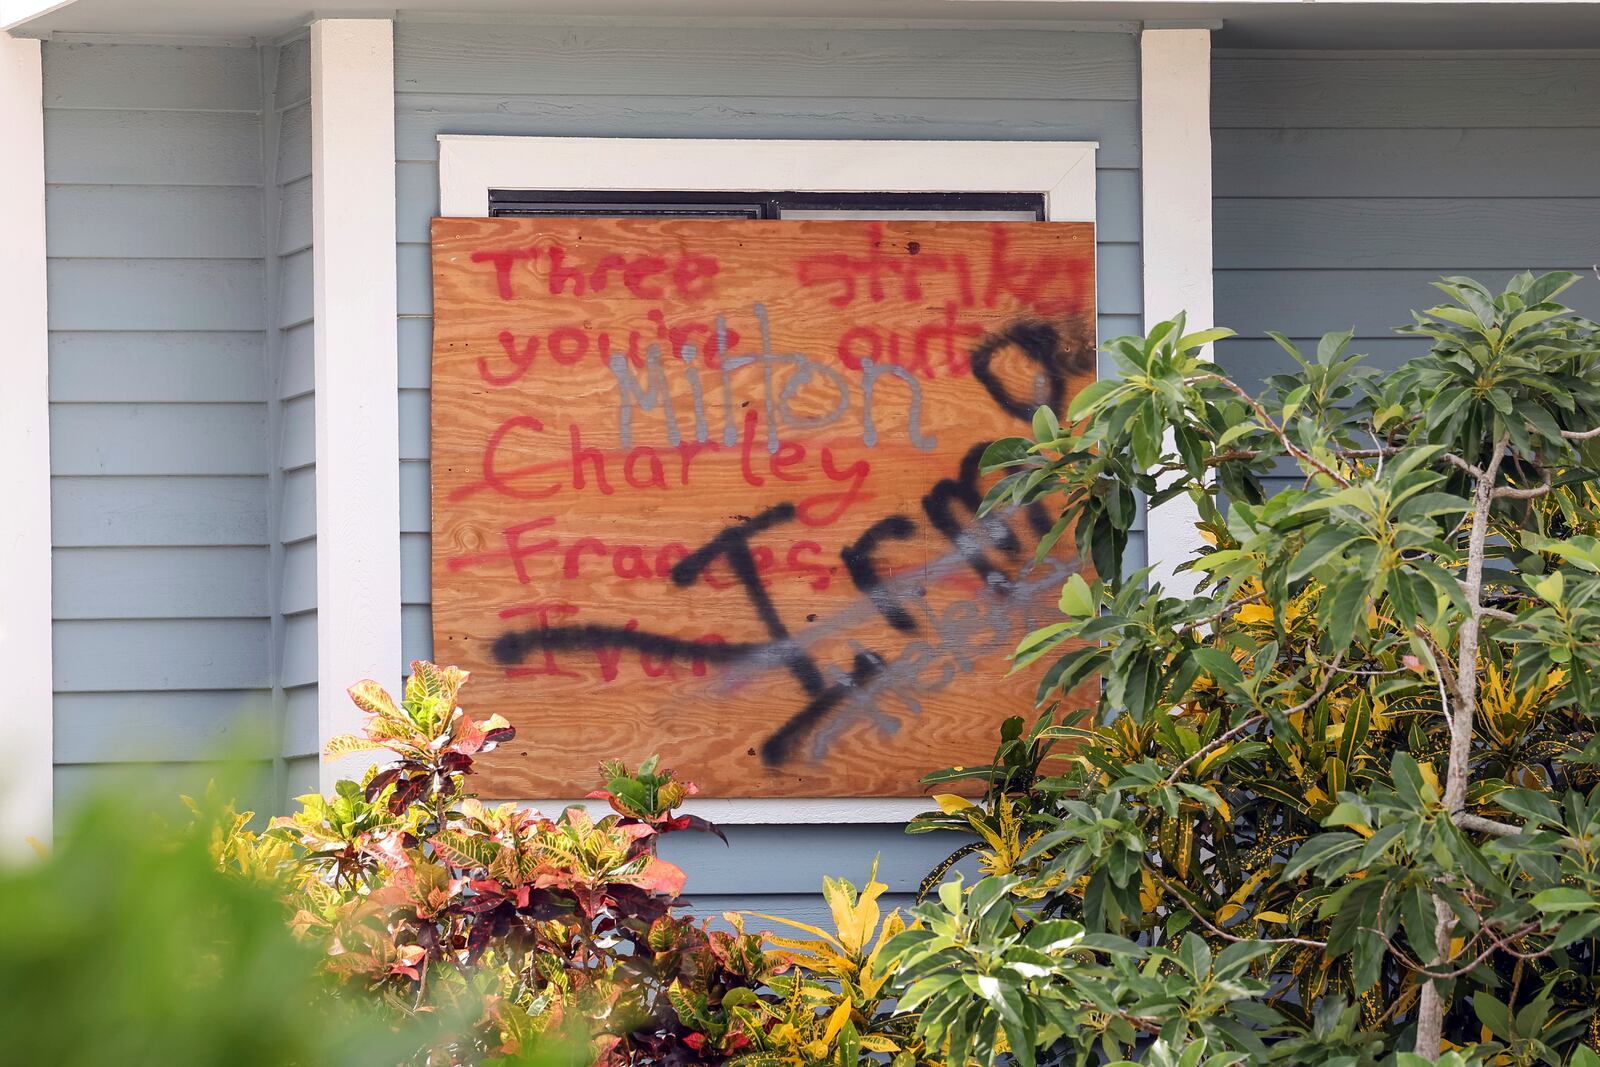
541 930
836 1006
552 933
124 945
1337 801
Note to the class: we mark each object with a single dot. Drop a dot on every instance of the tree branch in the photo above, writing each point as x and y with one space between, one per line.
1468 821
1255 720
1431 1007
1507 492
1455 796
1304 942
1457 462
1359 672
1503 941
1278 431
1229 609
1441 663
1214 744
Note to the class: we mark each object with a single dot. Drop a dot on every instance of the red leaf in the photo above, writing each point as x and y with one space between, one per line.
380 780
388 850
661 877
693 822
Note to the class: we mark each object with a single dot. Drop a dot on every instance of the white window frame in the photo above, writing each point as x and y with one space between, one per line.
1063 171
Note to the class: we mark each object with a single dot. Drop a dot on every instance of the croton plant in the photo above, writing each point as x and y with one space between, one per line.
556 935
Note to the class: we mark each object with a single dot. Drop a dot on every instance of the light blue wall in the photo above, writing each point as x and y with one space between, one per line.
176 230
292 487
1345 182
500 77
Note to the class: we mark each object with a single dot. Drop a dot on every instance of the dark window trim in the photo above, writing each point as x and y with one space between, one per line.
513 203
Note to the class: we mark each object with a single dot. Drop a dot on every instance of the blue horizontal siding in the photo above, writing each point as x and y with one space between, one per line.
293 591
158 412
1346 183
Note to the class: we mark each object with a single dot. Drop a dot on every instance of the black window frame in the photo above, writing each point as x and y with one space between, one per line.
545 203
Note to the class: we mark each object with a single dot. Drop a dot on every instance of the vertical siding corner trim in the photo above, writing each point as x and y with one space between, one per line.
1175 118
355 367
25 627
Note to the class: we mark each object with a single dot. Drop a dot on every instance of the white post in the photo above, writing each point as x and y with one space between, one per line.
1175 115
25 613
356 378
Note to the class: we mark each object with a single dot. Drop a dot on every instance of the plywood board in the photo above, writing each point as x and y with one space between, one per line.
708 488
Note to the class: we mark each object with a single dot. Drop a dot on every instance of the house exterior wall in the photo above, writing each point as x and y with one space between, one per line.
499 77
158 409
1346 182
181 294
176 282
292 485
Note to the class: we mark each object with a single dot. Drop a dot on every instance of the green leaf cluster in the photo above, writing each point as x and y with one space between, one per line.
1351 743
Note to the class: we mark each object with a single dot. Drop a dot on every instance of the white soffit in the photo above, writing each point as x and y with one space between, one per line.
15 12
1331 24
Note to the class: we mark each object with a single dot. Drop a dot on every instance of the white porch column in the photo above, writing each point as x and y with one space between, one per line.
356 379
25 613
1175 115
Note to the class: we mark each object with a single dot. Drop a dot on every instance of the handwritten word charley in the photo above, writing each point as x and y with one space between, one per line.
647 468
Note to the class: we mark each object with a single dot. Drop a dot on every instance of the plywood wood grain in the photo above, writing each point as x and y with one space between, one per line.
708 488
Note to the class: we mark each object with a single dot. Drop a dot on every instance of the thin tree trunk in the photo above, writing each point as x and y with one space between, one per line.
1430 1005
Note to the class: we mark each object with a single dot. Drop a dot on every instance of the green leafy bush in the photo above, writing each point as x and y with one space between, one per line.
125 945
1336 801
560 933
558 930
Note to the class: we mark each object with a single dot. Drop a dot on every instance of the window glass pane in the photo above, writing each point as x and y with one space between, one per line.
979 207
614 211
890 212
